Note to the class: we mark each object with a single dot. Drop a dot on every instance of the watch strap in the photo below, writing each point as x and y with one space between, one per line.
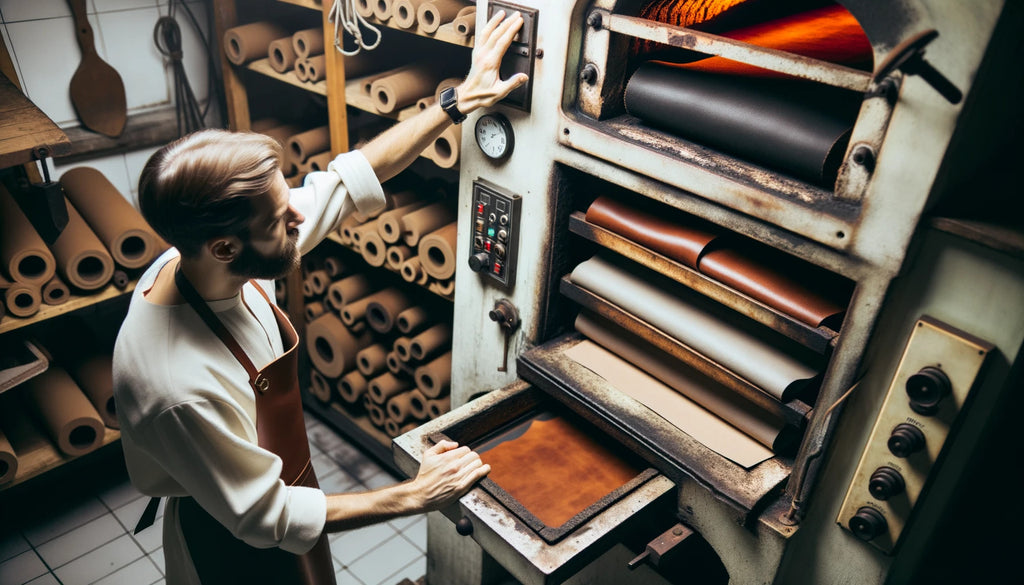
449 103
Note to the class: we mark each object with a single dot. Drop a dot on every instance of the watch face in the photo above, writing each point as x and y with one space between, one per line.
494 136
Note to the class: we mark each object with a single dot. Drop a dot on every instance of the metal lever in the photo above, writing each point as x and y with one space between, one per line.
663 547
908 57
43 203
506 316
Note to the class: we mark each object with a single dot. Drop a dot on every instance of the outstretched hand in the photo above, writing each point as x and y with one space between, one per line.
483 86
446 473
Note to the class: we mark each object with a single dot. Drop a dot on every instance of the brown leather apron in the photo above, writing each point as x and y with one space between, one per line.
219 557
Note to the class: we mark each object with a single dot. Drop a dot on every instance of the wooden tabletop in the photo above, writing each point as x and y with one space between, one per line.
24 128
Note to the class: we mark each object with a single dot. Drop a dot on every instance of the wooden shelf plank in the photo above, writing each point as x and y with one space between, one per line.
24 129
75 302
818 339
36 452
311 4
262 66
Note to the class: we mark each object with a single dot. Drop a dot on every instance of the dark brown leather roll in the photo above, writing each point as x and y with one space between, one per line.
810 294
669 232
792 126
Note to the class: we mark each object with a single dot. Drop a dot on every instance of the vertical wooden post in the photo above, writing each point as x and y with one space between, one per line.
235 94
337 114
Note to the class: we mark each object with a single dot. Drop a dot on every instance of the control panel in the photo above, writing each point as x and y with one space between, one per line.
520 55
932 383
495 233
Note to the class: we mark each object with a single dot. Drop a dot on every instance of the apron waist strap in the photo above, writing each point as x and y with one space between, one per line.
148 515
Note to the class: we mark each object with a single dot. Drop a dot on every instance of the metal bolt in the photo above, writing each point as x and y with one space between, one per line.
864 156
589 74
594 20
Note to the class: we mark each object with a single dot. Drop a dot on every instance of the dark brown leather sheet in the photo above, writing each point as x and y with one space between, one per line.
790 126
556 470
678 236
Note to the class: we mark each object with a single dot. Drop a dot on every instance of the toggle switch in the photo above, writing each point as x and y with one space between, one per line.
506 315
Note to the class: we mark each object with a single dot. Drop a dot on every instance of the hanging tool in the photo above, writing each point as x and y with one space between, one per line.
908 57
97 91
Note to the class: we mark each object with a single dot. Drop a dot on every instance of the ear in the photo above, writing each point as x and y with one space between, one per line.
224 249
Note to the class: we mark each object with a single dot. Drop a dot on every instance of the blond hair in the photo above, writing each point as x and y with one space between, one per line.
201 186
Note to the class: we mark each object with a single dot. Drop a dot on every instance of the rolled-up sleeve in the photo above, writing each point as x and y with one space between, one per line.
203 447
327 197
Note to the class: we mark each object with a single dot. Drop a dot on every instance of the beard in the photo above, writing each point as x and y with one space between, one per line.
251 264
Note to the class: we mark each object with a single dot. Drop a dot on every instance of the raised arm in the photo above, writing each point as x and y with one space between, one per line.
395 149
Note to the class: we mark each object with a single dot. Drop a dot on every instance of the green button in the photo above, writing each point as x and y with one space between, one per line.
490 232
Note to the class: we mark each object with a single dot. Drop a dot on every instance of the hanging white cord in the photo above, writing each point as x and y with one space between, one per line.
344 15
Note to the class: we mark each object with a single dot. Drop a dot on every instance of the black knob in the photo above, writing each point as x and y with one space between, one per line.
885 483
464 526
926 389
905 440
867 523
479 261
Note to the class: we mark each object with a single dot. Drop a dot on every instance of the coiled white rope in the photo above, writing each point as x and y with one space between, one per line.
344 15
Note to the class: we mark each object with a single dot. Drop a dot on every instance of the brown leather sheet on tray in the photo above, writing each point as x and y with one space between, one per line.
556 470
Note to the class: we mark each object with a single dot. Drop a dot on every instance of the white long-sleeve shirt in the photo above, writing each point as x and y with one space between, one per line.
185 407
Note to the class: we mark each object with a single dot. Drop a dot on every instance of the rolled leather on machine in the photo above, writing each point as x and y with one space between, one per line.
748 349
82 260
251 41
794 127
672 233
810 294
23 253
332 347
64 411
760 425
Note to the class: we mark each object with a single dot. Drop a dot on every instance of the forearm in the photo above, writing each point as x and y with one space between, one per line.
355 510
395 148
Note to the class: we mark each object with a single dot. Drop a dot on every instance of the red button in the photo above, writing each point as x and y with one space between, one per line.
487 245
497 267
480 208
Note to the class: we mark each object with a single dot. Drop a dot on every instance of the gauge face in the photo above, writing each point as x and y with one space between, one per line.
494 136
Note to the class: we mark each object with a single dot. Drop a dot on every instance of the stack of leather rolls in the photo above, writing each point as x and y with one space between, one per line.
414 236
426 17
106 240
304 149
376 348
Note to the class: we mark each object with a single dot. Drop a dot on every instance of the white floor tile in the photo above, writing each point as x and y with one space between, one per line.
157 557
338 482
412 572
324 465
88 537
70 515
119 495
141 572
351 545
47 579
22 568
345 577
382 479
380 563
12 544
417 533
99 563
151 538
129 514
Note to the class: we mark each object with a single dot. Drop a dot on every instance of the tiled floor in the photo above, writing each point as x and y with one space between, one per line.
82 536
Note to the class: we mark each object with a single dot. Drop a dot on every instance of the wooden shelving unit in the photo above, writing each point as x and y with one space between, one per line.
9 323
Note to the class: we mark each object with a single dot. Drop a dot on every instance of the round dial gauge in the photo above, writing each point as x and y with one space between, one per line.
494 136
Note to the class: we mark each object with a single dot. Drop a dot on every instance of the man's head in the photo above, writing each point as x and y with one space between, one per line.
223 192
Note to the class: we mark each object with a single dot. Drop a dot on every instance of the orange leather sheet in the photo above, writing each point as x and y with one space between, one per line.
556 470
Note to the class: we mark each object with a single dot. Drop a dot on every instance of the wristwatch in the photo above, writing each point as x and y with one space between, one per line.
449 103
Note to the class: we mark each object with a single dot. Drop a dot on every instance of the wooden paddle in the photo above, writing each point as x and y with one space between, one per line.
97 92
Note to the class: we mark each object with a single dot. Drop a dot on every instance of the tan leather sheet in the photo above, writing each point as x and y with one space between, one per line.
556 470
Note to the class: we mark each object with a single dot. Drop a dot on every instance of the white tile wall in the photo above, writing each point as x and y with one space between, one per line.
40 37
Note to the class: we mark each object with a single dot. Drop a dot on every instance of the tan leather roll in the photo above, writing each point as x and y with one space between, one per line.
431 342
397 255
401 89
319 386
319 161
23 253
8 459
435 377
412 320
401 348
93 371
389 224
120 227
382 311
313 310
438 406
394 363
359 230
445 287
352 387
120 279
395 199
55 292
319 280
345 229
399 406
355 311
465 23
348 290
377 414
281 54
316 68
412 271
424 103
251 41
65 412
421 222
310 142
334 266
22 300
445 149
672 233
332 347
403 13
282 133
308 42
437 252
364 8
431 15
385 386
373 248
82 260
372 360
382 9
393 428
417 404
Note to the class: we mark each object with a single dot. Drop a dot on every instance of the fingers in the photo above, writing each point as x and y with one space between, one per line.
442 447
